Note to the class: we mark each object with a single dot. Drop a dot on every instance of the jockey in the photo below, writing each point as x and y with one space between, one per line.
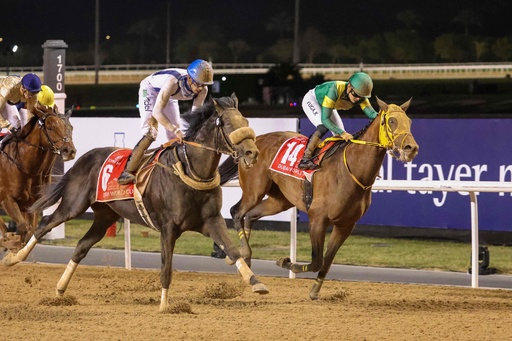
159 94
13 91
322 103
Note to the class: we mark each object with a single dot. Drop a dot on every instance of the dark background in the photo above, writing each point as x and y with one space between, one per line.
28 21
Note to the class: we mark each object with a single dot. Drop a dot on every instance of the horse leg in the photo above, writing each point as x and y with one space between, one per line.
3 230
32 222
273 204
337 238
238 218
254 203
12 209
3 227
103 218
67 209
318 230
167 241
218 231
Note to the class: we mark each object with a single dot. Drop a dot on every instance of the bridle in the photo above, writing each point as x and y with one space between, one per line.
53 144
221 142
221 139
387 139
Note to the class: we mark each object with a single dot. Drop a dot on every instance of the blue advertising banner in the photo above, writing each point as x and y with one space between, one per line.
450 149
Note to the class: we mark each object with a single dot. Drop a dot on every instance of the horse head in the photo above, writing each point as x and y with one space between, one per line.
395 131
57 129
234 128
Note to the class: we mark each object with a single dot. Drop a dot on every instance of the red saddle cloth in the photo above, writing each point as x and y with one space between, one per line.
288 158
108 189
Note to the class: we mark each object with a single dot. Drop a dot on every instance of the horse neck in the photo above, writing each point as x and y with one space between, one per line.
363 160
202 162
34 152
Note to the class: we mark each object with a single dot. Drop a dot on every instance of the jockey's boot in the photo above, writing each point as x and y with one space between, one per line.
307 158
128 175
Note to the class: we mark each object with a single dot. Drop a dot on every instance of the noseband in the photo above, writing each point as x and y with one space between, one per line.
228 140
386 140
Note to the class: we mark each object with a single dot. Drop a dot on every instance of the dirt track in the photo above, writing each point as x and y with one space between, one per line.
116 304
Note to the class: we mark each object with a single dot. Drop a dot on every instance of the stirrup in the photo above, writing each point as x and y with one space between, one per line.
126 178
307 164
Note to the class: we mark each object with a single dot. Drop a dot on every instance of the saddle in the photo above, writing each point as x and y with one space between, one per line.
326 148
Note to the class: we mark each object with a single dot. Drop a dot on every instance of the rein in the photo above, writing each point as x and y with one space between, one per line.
386 140
220 137
41 121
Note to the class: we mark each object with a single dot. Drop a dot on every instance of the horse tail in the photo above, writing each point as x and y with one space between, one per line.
228 170
50 194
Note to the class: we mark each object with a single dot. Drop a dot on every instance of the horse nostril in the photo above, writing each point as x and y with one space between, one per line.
411 149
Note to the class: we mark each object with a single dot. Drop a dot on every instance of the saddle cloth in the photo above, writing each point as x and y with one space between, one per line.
288 158
108 189
290 153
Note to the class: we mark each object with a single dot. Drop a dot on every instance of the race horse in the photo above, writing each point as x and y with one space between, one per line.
341 187
182 193
26 163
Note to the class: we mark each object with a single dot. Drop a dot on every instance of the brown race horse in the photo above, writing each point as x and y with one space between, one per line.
341 187
173 205
26 162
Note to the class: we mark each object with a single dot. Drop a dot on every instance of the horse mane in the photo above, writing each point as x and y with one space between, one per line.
196 118
341 143
28 127
358 134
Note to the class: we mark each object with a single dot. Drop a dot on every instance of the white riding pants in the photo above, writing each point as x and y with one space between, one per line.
147 99
313 111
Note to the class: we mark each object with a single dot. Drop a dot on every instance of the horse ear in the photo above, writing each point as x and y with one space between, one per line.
218 108
382 105
405 106
69 112
235 99
39 110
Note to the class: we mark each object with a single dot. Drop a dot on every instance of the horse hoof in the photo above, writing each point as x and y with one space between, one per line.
260 288
314 296
10 259
284 262
59 293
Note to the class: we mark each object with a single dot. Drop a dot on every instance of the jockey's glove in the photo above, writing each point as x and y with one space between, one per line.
13 130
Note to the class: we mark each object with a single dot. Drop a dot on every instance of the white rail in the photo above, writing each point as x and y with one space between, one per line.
471 187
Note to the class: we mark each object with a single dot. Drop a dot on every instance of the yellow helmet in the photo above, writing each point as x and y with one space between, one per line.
46 96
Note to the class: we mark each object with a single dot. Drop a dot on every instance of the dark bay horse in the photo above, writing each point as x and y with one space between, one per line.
26 162
173 205
341 187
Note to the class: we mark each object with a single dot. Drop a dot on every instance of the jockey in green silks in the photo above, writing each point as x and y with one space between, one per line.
322 103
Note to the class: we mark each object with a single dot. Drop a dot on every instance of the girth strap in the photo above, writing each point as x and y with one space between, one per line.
141 208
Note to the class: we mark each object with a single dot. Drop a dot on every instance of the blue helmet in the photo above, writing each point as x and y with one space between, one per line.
201 72
31 82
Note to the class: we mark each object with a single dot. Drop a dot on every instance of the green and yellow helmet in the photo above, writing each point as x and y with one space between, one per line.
362 84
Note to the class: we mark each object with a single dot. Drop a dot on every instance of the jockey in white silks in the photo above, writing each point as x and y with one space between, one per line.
159 95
